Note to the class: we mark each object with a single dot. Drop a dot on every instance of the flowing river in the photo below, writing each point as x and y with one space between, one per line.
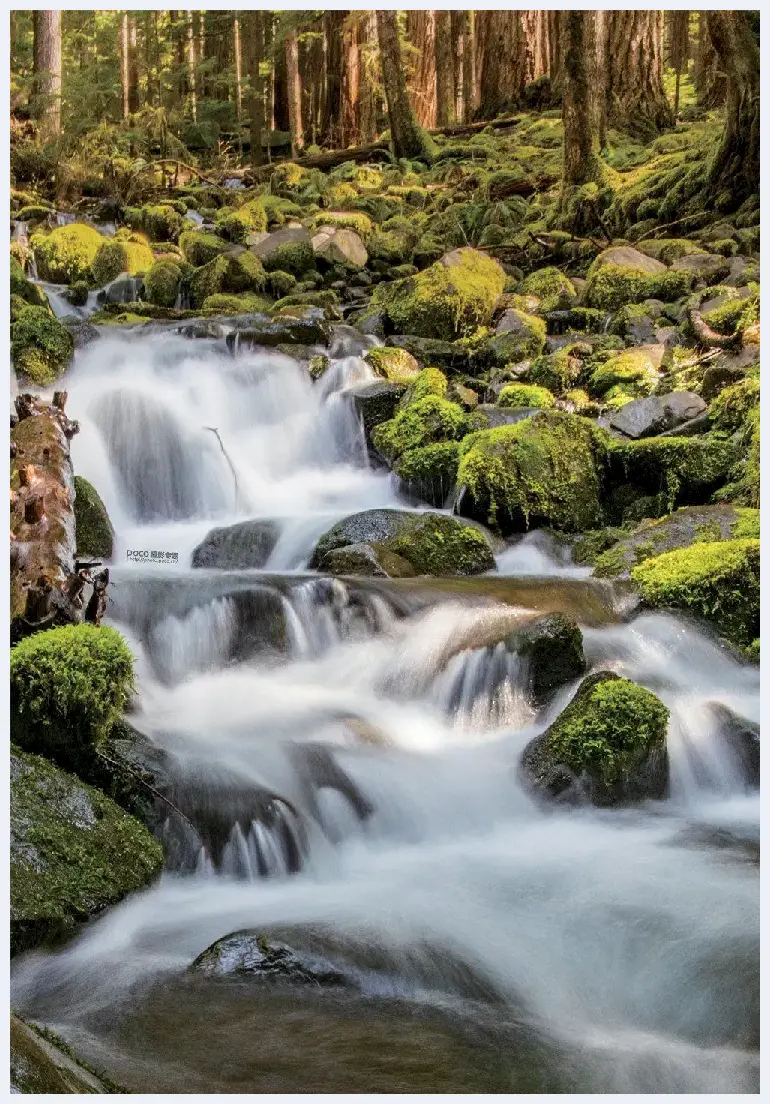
355 791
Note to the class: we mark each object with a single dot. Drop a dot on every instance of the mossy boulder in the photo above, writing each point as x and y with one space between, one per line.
228 304
249 954
373 560
545 470
200 247
434 544
377 402
93 530
623 275
731 410
552 647
237 225
73 852
24 288
429 473
289 249
162 282
686 469
716 580
160 221
560 371
68 687
114 257
40 345
229 273
244 546
430 381
608 746
448 300
67 253
633 373
518 336
42 1063
423 422
551 287
392 363
280 283
525 394
685 527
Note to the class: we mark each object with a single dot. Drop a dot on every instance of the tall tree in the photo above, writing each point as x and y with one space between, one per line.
636 99
469 66
710 78
133 67
408 140
255 49
421 65
349 82
734 172
124 67
503 63
334 35
293 91
192 78
458 47
445 85
47 71
238 65
368 60
580 51
678 51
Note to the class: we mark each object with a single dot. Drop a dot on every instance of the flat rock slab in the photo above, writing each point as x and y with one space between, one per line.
653 415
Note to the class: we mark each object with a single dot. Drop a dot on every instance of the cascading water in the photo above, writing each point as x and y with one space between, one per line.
342 757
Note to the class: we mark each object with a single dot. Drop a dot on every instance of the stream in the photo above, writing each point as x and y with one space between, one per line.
493 946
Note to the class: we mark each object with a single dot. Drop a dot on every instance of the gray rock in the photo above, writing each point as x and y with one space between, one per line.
287 235
742 737
364 559
653 415
39 1066
628 256
201 329
433 352
498 416
708 267
238 547
340 246
553 648
250 954
309 328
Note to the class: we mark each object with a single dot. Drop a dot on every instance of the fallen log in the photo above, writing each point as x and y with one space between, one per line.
708 337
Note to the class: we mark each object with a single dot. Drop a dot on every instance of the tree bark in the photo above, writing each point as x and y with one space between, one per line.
636 100
294 92
421 32
349 84
580 50
334 33
445 88
124 63
469 66
238 66
191 67
405 133
734 172
133 67
254 54
47 72
504 63
710 78
678 48
457 19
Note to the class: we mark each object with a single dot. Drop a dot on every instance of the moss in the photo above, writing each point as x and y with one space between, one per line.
234 274
78 293
687 469
430 381
279 209
73 851
558 372
68 687
525 394
752 651
430 472
199 247
24 288
114 257
608 730
246 303
294 257
393 364
524 340
326 299
733 317
545 469
317 365
633 371
340 194
93 529
668 250
424 421
447 300
281 283
611 287
592 544
717 581
122 318
40 345
237 225
393 248
346 220
552 645
551 287
67 253
160 221
161 284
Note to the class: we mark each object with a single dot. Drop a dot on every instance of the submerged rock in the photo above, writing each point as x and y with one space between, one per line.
553 646
377 402
742 737
238 547
607 747
366 559
309 327
40 1065
251 954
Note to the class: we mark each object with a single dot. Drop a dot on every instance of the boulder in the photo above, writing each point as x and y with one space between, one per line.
429 473
706 267
340 247
40 345
433 543
443 354
608 746
66 254
249 954
652 415
628 257
552 645
377 402
310 327
289 249
742 738
40 1066
240 547
392 363
73 852
366 559
93 529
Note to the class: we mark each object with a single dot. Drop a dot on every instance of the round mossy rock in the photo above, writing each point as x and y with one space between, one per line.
67 253
552 646
93 529
161 284
40 345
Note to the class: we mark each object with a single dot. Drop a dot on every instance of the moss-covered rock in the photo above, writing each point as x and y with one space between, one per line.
434 544
448 300
609 746
280 283
287 250
633 373
200 247
160 221
518 337
551 287
24 288
430 381
93 529
40 345
68 687
249 954
229 273
686 469
392 363
732 408
423 422
552 646
67 253
377 402
114 257
43 1063
366 559
543 470
611 286
430 472
237 225
229 304
525 394
716 580
559 372
162 282
73 852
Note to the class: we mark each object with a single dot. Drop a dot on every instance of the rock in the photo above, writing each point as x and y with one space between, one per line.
392 363
634 372
366 559
650 416
289 249
240 547
497 416
422 419
429 473
83 333
377 402
40 1066
93 529
553 648
66 254
686 469
519 395
308 328
73 852
248 953
708 267
433 543
341 247
232 272
742 737
683 528
161 284
122 289
127 255
628 257
607 747
465 396
199 247
40 345
428 351
202 329
551 287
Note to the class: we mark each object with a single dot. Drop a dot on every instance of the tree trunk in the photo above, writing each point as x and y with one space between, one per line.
349 83
678 51
124 66
331 126
535 32
421 32
238 66
580 50
445 90
270 119
734 172
254 52
133 67
636 100
47 72
191 69
469 66
554 53
293 92
710 77
504 64
368 100
405 133
458 47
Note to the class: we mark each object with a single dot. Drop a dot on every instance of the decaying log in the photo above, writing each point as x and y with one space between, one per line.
708 337
97 603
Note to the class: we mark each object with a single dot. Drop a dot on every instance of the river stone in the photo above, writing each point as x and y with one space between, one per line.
742 737
432 542
83 333
366 559
708 267
377 402
73 852
608 747
268 246
250 954
39 1066
629 257
340 246
201 329
240 547
653 415
93 529
308 328
553 647
498 415
432 352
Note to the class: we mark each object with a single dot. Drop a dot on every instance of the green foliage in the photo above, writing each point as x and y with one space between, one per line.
67 253
161 284
424 421
525 394
40 345
731 409
717 581
93 529
68 688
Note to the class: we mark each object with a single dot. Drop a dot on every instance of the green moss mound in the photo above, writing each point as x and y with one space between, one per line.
559 372
551 287
525 394
161 284
281 284
686 469
543 470
237 225
73 852
295 257
632 373
227 274
93 529
611 286
731 409
717 581
24 288
68 687
67 253
160 221
40 345
425 421
200 247
430 381
114 257
448 300
393 364
523 340
430 472
246 303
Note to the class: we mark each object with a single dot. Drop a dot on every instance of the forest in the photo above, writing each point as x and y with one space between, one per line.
384 551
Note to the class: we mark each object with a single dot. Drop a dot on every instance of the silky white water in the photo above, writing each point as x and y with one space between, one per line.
571 950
